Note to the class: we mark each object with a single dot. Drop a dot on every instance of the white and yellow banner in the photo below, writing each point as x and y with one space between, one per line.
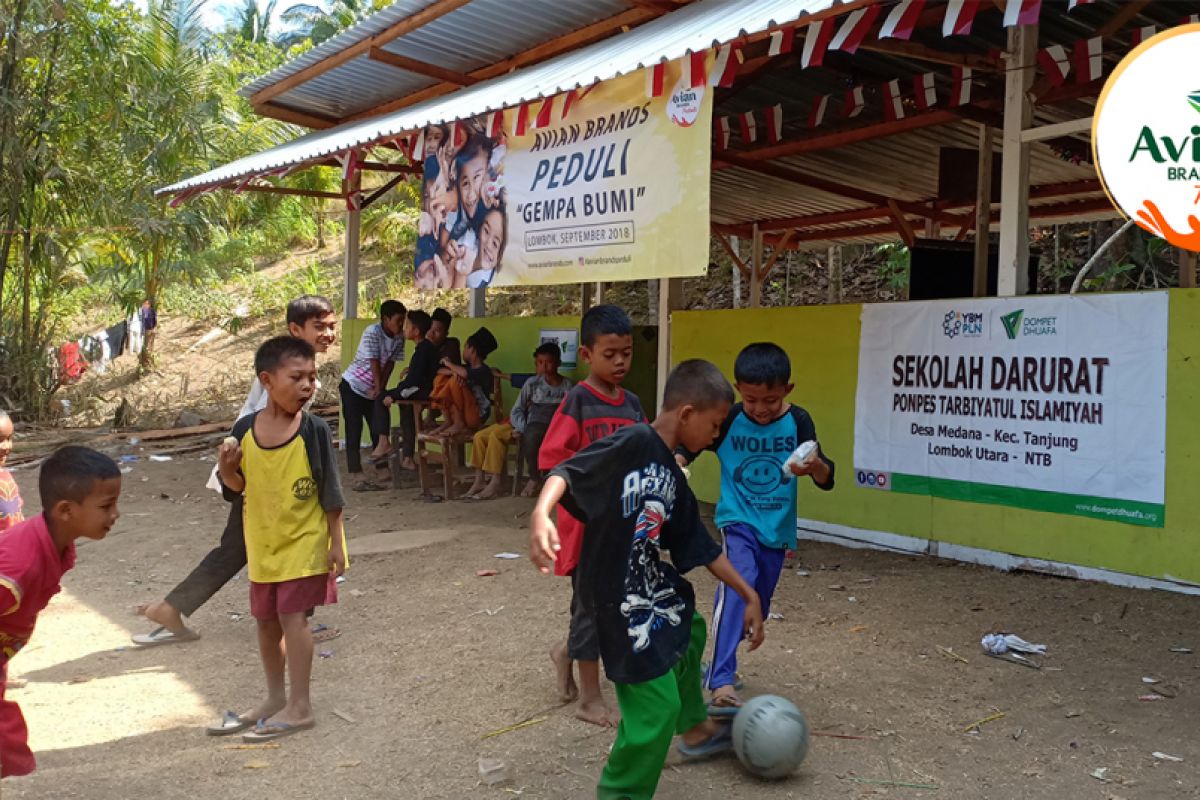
605 184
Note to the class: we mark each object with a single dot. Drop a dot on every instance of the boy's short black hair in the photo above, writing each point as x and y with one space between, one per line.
391 308
698 383
549 349
484 343
310 306
273 352
604 320
443 316
70 473
763 364
420 321
452 349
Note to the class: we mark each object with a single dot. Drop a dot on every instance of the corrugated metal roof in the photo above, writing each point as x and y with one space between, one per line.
691 28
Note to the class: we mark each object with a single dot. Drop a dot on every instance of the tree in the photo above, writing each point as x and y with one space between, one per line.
251 22
316 23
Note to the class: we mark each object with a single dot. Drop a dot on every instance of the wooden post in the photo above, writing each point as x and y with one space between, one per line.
737 275
599 293
756 268
835 274
586 296
350 258
1187 269
477 302
670 297
1013 277
983 210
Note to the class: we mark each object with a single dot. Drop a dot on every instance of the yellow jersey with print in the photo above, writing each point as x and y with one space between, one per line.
289 489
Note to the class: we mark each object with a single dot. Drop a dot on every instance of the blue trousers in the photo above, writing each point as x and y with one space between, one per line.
760 567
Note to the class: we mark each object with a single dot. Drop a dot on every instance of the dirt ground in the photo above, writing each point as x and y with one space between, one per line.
433 658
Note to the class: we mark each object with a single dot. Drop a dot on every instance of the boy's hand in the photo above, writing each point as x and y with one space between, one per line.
387 401
229 457
806 466
543 542
753 624
337 560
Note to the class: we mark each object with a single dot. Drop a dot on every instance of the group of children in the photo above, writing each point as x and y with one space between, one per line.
619 486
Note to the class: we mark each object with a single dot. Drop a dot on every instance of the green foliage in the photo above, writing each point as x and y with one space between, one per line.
893 268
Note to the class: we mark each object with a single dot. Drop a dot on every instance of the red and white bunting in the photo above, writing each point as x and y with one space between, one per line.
568 101
902 20
960 95
854 104
349 162
749 127
960 15
774 116
354 200
854 29
817 115
924 91
781 41
1072 4
1055 63
1022 12
725 66
522 126
693 69
495 124
418 147
656 79
1089 60
893 103
459 133
723 133
816 42
1140 35
545 115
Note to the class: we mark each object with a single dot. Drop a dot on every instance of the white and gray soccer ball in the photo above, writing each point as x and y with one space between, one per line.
770 736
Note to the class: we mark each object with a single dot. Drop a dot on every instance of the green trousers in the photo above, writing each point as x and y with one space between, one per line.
651 714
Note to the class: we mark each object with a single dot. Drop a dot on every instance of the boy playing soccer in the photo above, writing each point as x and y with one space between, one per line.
592 410
79 490
283 468
312 319
756 511
634 500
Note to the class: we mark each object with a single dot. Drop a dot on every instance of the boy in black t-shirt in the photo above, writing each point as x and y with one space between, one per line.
634 501
417 384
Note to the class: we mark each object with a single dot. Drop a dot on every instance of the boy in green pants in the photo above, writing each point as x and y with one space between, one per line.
634 502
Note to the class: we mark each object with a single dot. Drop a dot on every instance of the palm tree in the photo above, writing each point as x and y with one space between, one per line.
316 23
251 22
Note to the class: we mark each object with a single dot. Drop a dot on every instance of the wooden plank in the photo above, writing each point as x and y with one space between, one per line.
382 190
659 7
737 260
778 250
1187 269
903 227
350 253
420 67
407 25
920 52
1057 130
285 114
1013 276
983 211
756 250
253 187
862 133
1128 10
379 166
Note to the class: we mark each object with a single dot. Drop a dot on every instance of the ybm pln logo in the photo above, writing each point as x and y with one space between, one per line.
1146 136
968 324
1017 324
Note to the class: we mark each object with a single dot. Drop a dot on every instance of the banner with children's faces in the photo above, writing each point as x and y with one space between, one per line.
603 184
1048 403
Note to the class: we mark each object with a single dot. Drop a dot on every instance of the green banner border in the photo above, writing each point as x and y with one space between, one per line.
1131 512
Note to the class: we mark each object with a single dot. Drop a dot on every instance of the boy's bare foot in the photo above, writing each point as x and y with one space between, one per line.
702 732
164 614
476 487
595 711
725 697
269 708
291 717
491 490
567 690
409 465
454 430
530 488
378 453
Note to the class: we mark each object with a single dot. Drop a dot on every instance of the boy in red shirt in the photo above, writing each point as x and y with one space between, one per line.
10 495
591 411
79 489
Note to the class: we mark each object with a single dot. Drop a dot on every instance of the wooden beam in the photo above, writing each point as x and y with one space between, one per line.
576 39
737 260
1013 266
902 225
1129 9
381 191
1187 269
407 25
756 250
268 189
896 47
420 67
1056 130
1067 92
775 254
285 114
659 7
841 138
983 210
379 166
963 231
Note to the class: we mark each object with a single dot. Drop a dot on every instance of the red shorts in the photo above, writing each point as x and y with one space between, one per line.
15 756
269 600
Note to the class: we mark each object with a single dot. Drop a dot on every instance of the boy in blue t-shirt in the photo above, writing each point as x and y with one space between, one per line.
756 511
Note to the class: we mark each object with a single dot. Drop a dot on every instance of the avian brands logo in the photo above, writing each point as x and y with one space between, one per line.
1012 323
1146 136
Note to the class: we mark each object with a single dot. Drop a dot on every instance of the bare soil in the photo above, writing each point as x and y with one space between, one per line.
433 658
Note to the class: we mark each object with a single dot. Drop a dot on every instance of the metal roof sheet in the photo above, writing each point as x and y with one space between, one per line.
692 28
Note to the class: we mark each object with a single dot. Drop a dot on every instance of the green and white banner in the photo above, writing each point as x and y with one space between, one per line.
1048 403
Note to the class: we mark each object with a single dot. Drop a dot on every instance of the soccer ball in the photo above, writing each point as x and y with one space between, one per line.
770 736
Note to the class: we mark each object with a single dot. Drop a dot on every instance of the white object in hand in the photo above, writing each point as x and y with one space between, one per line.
230 441
798 457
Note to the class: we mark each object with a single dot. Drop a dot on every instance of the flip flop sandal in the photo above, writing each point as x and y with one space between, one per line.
723 712
278 730
720 742
230 723
738 683
368 486
160 636
324 633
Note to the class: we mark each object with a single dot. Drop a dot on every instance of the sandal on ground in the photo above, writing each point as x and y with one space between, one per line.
738 684
230 723
368 486
324 633
161 636
719 742
269 731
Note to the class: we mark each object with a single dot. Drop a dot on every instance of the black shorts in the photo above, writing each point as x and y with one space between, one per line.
583 642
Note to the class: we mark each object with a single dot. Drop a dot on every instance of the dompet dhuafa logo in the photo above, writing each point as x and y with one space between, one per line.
1146 136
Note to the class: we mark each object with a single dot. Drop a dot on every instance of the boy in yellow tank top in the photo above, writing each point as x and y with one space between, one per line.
283 465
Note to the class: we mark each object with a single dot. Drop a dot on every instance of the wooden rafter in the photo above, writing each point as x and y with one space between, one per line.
778 250
268 189
737 260
919 52
902 224
659 7
420 67
1125 15
407 25
285 114
381 191
379 166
